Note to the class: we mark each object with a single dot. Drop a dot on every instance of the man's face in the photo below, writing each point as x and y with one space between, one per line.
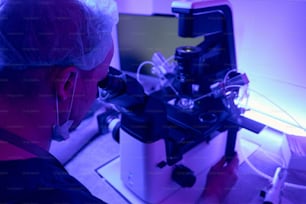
86 89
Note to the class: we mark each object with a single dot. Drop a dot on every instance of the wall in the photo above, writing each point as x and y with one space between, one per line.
270 43
144 6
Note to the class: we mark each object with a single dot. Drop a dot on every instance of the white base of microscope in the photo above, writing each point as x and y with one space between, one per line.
111 173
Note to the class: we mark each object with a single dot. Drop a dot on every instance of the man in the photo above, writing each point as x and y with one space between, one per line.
53 53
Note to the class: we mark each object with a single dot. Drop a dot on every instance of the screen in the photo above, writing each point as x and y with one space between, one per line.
139 36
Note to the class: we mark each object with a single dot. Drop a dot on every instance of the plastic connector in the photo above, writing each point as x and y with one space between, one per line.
241 80
273 194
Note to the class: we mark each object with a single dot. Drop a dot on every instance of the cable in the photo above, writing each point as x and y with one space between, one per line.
272 157
279 80
227 74
264 175
269 100
140 68
280 108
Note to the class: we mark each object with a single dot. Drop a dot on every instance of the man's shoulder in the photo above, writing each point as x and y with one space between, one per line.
60 196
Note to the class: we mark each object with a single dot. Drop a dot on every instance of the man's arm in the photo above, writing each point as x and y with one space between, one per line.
220 179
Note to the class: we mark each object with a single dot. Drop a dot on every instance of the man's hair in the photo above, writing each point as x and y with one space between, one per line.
42 33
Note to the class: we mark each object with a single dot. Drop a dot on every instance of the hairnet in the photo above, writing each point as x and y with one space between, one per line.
39 33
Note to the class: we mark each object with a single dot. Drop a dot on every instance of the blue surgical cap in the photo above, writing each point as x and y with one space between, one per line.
40 33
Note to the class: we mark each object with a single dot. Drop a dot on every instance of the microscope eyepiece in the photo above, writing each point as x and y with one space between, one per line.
113 85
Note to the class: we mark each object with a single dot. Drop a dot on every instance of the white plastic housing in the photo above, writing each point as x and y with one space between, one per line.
152 184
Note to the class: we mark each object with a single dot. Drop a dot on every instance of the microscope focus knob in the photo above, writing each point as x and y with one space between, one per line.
183 176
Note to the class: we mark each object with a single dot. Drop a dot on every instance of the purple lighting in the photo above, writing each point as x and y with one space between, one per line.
270 46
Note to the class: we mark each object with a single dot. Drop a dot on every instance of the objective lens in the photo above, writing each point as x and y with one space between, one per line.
188 49
188 63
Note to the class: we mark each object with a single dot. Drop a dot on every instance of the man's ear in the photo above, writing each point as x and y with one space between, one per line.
65 82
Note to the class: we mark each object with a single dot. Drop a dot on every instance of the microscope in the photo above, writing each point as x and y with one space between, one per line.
171 136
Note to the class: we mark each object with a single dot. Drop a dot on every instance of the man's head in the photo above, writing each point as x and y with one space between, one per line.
54 52
55 32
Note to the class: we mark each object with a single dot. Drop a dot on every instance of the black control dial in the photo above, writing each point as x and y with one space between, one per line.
183 176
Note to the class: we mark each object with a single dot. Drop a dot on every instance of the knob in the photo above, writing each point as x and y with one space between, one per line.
183 176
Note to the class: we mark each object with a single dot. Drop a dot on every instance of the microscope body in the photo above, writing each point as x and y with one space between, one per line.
144 173
166 150
170 139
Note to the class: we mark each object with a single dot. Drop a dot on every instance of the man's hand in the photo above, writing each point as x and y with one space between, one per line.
220 179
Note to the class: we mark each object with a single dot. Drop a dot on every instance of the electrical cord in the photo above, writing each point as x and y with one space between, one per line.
280 108
140 67
227 74
273 157
264 175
